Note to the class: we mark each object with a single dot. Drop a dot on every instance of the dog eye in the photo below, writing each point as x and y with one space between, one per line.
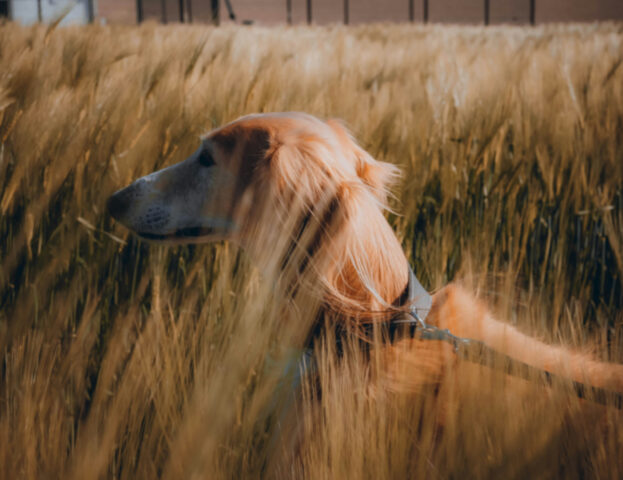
205 158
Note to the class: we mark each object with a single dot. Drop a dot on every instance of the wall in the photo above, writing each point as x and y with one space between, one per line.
26 12
588 10
117 11
271 12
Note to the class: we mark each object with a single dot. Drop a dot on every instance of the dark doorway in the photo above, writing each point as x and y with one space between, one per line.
4 8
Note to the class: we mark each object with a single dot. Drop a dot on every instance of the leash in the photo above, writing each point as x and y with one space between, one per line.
479 352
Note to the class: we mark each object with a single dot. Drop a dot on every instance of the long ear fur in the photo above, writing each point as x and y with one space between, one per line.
369 269
378 176
360 262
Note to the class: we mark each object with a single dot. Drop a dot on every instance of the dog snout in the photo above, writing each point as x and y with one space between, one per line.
118 203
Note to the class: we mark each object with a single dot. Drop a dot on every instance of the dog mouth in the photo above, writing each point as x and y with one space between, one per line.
179 234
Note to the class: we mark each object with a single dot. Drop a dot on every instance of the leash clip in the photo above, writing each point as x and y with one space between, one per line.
429 332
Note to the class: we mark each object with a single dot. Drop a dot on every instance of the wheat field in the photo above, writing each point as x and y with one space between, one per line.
127 360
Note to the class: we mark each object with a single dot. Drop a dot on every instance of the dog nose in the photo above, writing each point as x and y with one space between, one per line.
117 204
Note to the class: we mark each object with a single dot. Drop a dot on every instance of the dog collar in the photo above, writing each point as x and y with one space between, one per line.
416 297
411 309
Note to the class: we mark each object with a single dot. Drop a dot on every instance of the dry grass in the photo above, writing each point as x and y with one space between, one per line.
129 361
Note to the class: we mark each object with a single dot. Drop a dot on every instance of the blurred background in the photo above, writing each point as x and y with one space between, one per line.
271 12
128 361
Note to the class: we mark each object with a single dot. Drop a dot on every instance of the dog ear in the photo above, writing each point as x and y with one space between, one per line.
378 176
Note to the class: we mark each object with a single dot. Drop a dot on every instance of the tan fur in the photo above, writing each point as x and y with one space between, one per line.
292 167
367 272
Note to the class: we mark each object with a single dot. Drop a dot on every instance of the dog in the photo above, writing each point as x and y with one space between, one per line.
307 203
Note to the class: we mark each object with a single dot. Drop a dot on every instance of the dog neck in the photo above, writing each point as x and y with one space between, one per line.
359 264
371 272
338 251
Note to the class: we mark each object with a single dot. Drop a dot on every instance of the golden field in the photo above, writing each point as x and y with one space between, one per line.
126 360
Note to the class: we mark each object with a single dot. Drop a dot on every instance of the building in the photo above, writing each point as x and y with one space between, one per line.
31 11
321 12
270 12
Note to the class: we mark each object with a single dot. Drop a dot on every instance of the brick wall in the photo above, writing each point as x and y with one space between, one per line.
270 12
587 10
117 11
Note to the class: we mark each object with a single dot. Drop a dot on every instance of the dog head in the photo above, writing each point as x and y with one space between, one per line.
258 160
286 185
195 200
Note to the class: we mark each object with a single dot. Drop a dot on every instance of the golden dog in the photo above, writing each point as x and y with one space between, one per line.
307 203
